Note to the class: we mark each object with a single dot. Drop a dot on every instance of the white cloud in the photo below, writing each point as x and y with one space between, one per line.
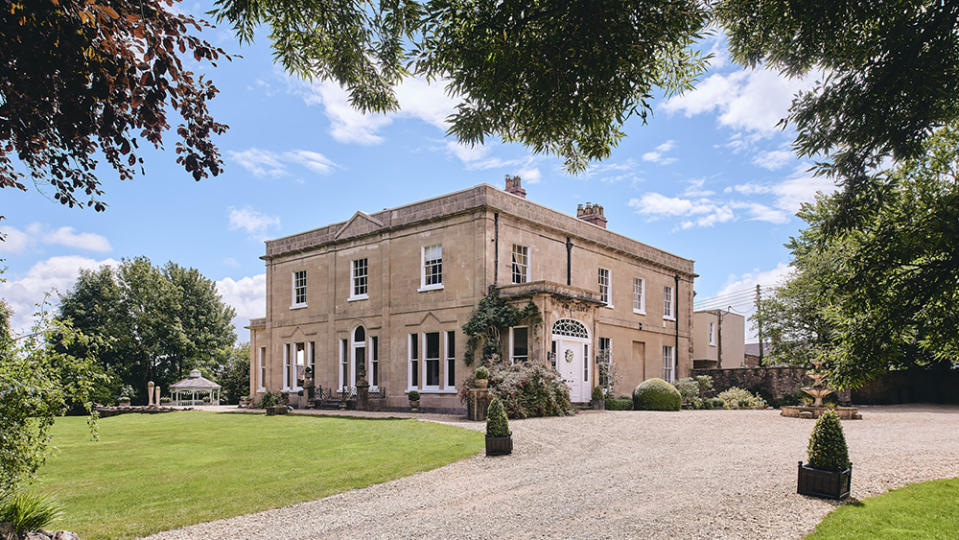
255 223
266 163
703 212
658 155
314 161
14 240
64 236
418 99
246 295
753 100
18 240
55 275
761 212
467 153
614 172
696 188
259 162
773 160
738 293
794 191
530 175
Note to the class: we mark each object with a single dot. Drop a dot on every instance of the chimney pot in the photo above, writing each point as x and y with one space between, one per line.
514 185
591 213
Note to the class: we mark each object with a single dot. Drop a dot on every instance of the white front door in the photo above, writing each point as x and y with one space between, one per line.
569 364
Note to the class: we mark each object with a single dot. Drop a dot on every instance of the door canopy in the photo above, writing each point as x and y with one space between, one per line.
570 328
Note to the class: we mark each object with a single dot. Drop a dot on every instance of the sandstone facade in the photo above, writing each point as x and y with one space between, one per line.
390 292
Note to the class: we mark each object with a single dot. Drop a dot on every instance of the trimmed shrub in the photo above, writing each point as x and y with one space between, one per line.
598 393
827 444
526 389
269 399
496 423
737 398
656 395
27 512
164 400
619 404
714 403
413 395
481 372
206 399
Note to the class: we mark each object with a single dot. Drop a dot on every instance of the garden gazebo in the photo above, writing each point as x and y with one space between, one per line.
193 386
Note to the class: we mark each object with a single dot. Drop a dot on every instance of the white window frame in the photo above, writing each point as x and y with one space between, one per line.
609 285
641 283
374 359
512 330
293 303
669 363
356 345
294 387
524 251
449 359
669 299
260 370
412 338
712 333
424 387
423 285
353 296
599 351
286 367
344 359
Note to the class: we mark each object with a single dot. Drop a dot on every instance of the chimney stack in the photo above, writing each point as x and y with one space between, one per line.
514 185
591 213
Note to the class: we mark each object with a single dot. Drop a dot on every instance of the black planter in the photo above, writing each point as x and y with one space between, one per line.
499 446
599 404
824 484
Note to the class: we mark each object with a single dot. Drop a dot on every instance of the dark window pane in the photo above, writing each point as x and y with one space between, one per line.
433 345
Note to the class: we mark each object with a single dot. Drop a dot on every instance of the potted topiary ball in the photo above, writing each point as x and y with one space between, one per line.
414 398
481 377
499 439
656 395
599 400
829 471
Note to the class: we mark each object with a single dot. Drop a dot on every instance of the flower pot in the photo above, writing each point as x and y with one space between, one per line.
499 446
824 484
481 383
415 405
123 402
278 409
599 404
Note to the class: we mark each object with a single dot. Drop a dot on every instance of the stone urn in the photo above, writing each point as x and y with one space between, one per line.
414 398
481 383
123 402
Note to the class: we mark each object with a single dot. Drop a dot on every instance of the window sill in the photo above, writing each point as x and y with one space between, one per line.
639 312
608 306
356 298
298 306
669 318
426 288
261 389
432 390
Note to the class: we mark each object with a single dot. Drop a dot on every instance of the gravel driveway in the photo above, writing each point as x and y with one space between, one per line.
694 474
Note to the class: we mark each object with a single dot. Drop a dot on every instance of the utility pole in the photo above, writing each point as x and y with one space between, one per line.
759 321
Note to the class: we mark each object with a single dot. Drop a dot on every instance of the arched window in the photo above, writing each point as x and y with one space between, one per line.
359 355
359 335
570 328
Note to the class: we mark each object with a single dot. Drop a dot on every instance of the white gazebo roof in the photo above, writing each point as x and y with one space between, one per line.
194 382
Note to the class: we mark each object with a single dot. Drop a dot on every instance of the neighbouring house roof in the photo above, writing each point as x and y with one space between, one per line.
195 382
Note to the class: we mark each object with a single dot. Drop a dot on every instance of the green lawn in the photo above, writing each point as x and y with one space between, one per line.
926 510
150 473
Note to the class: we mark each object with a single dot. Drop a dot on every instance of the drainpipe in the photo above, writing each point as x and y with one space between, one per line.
496 248
676 349
719 361
569 261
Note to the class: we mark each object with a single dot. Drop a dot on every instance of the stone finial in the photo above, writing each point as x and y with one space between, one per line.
150 402
591 213
514 185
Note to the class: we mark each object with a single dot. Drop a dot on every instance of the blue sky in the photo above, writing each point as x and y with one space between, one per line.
710 177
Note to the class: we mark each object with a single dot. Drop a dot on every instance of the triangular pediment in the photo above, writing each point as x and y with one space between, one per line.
361 223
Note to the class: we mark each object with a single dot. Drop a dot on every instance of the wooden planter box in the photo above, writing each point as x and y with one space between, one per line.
499 446
279 409
824 484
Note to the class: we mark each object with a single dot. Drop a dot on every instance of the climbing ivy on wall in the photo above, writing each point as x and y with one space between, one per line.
493 315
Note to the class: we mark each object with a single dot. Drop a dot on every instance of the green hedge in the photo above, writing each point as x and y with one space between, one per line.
619 404
656 395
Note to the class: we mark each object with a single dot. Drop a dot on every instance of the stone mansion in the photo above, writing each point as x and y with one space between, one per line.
392 290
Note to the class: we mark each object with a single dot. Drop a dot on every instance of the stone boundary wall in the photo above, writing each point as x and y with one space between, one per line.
775 382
